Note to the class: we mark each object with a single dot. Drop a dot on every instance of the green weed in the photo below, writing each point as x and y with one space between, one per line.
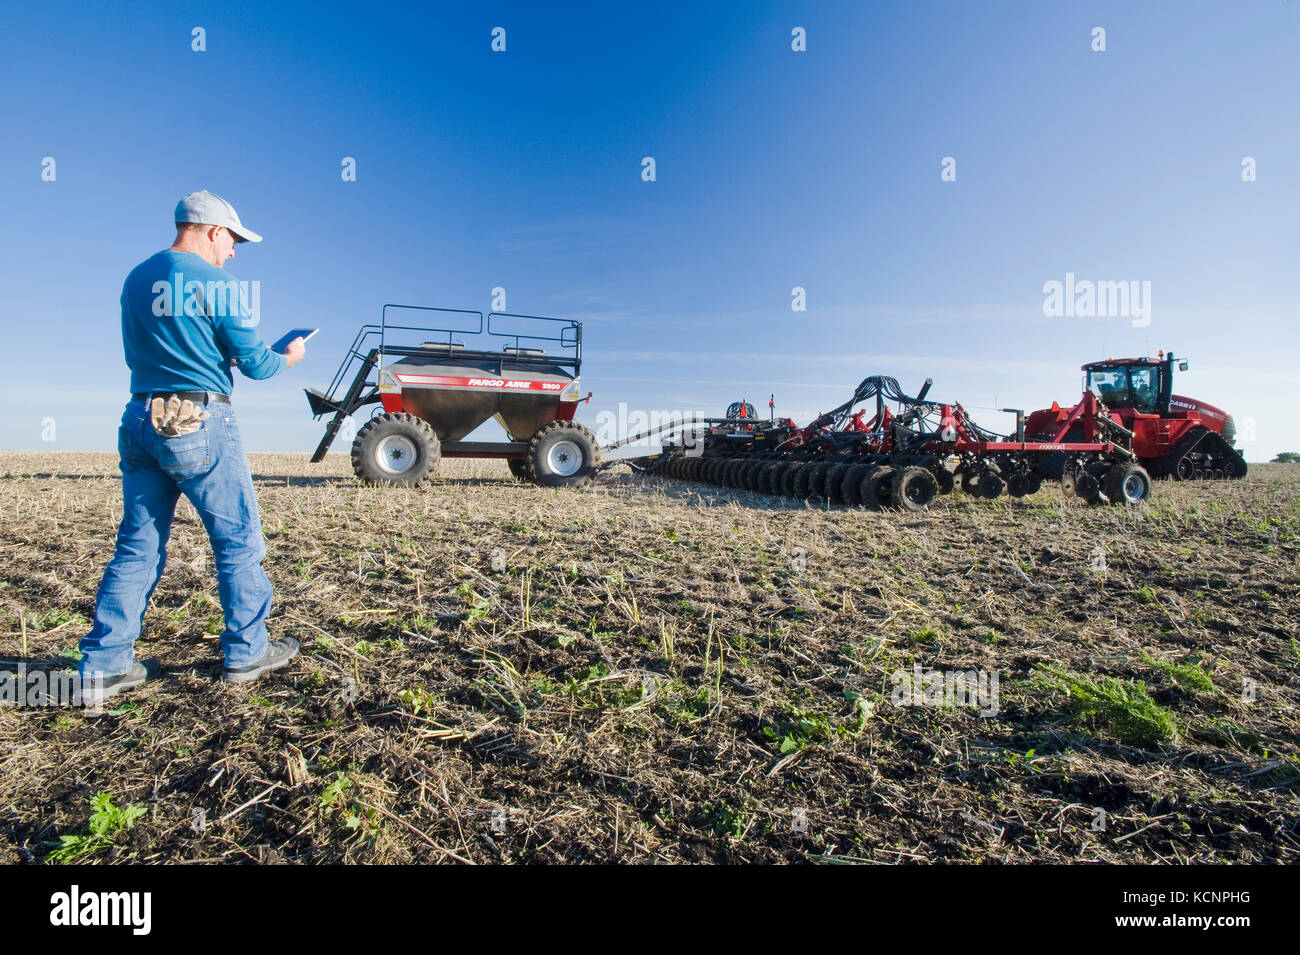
1124 708
798 729
1185 675
335 802
728 820
418 700
106 822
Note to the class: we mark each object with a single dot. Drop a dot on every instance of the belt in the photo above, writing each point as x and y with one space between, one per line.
212 397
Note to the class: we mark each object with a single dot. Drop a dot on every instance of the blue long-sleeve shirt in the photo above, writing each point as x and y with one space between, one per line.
184 319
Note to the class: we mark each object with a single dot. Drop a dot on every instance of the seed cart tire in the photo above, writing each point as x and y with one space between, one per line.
395 449
562 454
518 469
913 489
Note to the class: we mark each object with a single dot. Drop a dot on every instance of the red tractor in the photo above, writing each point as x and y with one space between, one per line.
1173 436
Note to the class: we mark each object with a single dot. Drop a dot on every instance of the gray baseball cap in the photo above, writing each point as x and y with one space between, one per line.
205 208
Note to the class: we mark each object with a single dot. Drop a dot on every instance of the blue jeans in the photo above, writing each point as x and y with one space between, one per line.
210 468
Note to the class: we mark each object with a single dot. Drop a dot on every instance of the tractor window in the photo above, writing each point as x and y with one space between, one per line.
1112 383
1145 389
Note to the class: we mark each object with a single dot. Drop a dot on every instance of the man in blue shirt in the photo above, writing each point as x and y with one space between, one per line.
185 324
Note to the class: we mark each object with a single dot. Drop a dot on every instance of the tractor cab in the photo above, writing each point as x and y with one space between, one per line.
740 409
1173 435
1142 385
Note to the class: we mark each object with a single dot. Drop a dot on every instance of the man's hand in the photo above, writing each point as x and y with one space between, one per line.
294 352
176 417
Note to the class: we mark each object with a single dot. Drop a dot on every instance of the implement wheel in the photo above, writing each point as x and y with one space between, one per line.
1127 484
1023 482
990 485
1087 487
876 489
562 454
788 478
770 476
833 482
851 484
801 477
913 489
395 449
518 469
817 480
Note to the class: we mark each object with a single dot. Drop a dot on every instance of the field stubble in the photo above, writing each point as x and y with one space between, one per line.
656 671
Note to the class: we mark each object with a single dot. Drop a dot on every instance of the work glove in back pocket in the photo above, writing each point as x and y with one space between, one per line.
185 456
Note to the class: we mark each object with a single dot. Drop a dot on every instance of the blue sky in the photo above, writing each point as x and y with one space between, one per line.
774 169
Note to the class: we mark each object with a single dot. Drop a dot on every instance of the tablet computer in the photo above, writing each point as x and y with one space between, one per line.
303 333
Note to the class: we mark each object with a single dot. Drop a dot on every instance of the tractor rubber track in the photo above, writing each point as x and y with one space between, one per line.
1202 455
